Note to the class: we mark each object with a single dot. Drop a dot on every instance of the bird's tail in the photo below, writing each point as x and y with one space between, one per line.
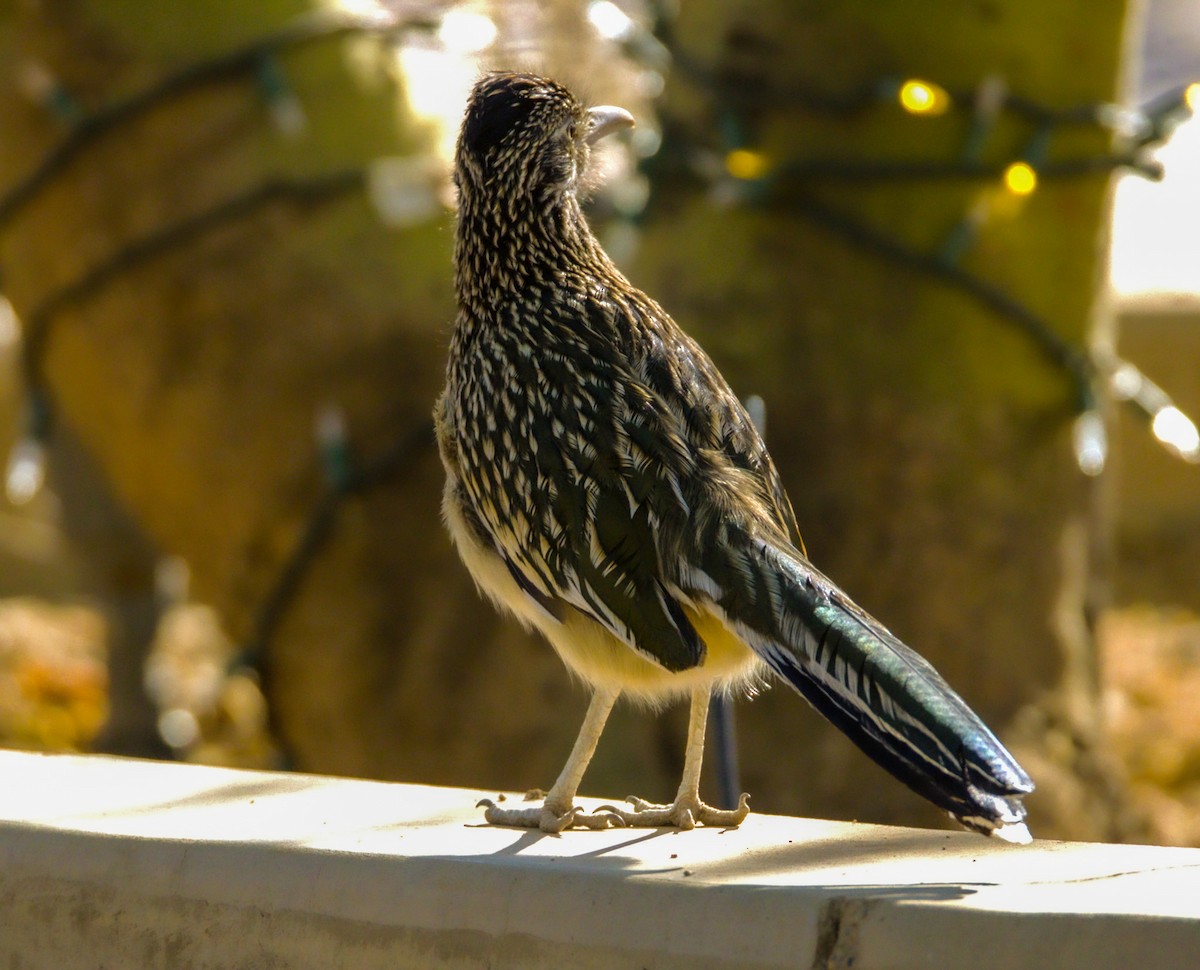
885 697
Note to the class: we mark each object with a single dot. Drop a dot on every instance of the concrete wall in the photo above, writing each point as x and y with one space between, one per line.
136 864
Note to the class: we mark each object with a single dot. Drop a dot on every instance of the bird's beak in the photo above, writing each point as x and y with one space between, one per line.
605 120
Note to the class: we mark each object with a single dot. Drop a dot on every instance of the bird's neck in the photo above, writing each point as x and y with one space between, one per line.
503 251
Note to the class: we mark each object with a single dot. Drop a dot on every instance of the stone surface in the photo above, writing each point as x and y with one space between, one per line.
121 863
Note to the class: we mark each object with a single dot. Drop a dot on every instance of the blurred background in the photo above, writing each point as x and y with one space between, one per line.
953 248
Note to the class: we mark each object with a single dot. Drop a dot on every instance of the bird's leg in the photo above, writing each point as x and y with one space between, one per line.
687 811
558 810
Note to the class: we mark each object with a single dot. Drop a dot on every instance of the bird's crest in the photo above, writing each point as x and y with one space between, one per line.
503 103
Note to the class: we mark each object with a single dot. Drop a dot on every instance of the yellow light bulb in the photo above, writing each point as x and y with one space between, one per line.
742 163
1191 96
923 98
1020 178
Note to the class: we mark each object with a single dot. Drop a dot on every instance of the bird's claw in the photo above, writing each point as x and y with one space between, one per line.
546 819
552 823
685 814
611 818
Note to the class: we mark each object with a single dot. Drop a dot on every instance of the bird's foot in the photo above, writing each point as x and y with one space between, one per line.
547 818
686 813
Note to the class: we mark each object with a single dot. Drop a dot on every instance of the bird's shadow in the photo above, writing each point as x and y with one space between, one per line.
771 868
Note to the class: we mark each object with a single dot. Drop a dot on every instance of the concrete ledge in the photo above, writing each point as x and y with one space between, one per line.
133 864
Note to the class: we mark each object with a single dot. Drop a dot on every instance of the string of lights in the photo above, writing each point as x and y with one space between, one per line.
257 58
1019 178
749 175
26 471
343 478
1141 128
759 180
401 190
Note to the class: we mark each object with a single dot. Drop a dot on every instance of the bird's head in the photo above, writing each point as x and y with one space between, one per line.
528 136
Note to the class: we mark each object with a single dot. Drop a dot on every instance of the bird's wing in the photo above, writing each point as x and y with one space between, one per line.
594 488
620 581
677 369
640 440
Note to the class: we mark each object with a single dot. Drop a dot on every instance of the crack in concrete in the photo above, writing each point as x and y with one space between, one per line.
837 933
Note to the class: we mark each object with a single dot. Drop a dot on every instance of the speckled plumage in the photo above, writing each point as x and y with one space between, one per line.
605 486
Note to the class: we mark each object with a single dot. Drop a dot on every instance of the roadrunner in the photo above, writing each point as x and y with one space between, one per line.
605 486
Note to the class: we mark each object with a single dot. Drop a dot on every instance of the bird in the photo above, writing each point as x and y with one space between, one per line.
606 487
